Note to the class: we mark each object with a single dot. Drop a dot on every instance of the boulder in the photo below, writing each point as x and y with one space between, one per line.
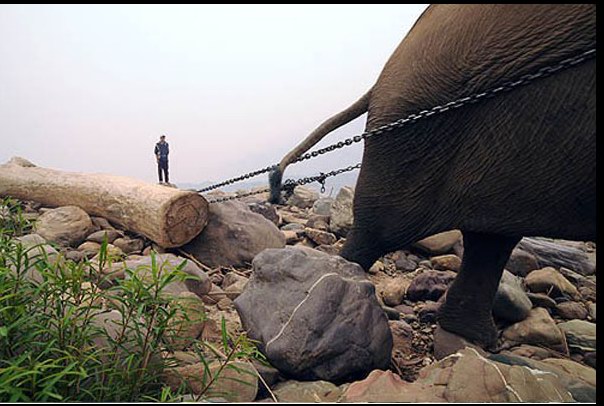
237 382
233 236
464 377
580 334
99 236
341 215
298 305
187 324
318 222
303 197
393 292
196 280
129 245
541 300
322 206
89 248
306 392
558 254
570 310
67 225
320 237
538 329
430 285
440 243
406 262
266 210
550 281
521 262
37 250
511 302
449 262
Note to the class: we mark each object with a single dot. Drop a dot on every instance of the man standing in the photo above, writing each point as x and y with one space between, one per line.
161 153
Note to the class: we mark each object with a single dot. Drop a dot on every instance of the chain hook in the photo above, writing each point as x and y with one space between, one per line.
321 180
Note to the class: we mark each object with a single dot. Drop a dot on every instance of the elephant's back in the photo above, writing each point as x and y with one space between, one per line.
457 50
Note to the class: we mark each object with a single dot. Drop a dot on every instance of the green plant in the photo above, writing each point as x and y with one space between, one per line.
53 343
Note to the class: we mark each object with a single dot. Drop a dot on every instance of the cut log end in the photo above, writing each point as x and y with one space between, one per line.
185 217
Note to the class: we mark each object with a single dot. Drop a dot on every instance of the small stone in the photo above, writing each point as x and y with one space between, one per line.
551 282
320 237
541 300
571 310
99 236
394 291
592 311
318 222
322 206
430 285
440 243
521 263
224 304
129 245
448 262
377 267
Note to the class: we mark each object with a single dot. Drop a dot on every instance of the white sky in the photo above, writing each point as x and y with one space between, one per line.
90 88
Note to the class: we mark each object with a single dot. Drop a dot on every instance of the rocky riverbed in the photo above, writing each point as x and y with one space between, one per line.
334 333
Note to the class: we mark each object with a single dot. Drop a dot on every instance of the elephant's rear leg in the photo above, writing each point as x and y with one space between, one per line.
467 310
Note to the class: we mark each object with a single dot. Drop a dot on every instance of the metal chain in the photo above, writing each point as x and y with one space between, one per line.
290 184
412 118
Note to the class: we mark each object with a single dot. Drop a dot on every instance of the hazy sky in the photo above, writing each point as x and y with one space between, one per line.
90 88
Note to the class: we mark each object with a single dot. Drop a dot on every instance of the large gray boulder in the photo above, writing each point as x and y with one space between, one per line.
67 225
234 236
316 316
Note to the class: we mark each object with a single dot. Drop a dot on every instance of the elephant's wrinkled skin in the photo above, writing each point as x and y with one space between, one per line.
520 164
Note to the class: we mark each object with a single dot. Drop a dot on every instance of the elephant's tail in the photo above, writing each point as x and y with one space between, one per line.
355 110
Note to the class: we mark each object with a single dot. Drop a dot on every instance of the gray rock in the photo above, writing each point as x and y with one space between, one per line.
511 302
570 310
580 334
197 281
341 215
234 236
430 285
320 237
99 236
592 311
541 300
318 222
406 262
238 383
557 255
466 376
298 305
303 197
550 281
521 262
538 328
323 206
267 210
440 243
67 225
449 262
306 392
37 249
129 245
293 227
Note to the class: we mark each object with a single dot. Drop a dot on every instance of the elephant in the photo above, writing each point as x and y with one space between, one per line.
522 163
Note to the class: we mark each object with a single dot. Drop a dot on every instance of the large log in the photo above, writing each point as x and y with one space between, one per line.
168 216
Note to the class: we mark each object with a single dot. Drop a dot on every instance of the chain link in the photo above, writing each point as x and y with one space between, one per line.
289 185
410 119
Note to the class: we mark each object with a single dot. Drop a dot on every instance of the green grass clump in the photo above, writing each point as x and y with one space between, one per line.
52 347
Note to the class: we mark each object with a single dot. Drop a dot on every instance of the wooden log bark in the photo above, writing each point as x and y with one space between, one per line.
168 216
